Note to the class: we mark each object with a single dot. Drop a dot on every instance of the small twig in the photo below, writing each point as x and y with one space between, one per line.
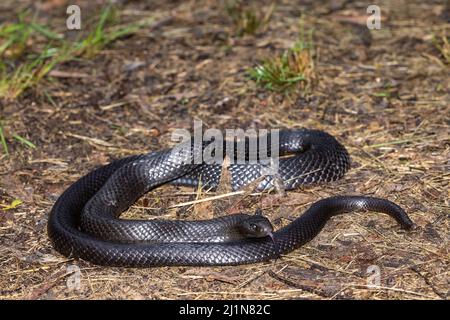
248 281
307 288
36 293
428 282
221 196
92 140
390 289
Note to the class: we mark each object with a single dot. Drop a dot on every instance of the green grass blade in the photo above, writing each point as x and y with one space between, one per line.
3 141
24 141
45 31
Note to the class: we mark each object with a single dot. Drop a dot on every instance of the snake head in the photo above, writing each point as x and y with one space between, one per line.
256 226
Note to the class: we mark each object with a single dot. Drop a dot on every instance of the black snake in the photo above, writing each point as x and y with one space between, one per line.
84 222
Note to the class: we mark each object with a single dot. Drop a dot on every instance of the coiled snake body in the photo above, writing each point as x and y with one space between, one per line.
84 221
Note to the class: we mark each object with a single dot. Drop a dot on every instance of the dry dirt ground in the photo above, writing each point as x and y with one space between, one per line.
383 93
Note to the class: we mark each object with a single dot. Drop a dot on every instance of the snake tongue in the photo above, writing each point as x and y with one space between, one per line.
277 251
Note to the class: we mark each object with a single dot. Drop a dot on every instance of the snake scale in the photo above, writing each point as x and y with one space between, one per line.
84 222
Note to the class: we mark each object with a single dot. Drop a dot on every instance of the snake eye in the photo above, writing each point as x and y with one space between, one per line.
253 226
